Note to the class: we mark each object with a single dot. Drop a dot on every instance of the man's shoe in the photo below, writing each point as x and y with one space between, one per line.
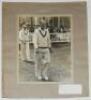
46 78
39 78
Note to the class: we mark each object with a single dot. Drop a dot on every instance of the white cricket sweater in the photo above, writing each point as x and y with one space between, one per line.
41 38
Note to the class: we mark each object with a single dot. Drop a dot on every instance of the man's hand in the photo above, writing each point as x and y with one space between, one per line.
22 41
37 50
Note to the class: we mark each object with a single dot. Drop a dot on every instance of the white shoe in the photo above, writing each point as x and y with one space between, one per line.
39 78
46 78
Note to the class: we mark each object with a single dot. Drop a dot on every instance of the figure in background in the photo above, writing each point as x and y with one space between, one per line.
24 43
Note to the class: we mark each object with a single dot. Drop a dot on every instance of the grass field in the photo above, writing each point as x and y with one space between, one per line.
59 70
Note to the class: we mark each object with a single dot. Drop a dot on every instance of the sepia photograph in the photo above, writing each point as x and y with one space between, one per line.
44 48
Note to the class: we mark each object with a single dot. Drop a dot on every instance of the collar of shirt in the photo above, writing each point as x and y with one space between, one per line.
43 32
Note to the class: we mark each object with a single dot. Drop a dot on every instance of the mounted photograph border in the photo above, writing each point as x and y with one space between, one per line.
71 36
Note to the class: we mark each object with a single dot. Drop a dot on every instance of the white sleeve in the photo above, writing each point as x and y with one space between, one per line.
35 39
20 35
49 40
28 35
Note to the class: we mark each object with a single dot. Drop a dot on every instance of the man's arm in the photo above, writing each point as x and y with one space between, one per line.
49 42
20 35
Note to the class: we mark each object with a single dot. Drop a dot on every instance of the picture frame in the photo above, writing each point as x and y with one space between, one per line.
11 88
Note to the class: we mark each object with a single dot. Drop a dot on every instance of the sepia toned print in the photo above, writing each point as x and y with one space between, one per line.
35 69
44 48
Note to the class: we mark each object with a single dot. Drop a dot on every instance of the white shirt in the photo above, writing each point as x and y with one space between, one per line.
24 35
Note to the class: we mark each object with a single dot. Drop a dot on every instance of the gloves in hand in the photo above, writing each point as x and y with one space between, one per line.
37 50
